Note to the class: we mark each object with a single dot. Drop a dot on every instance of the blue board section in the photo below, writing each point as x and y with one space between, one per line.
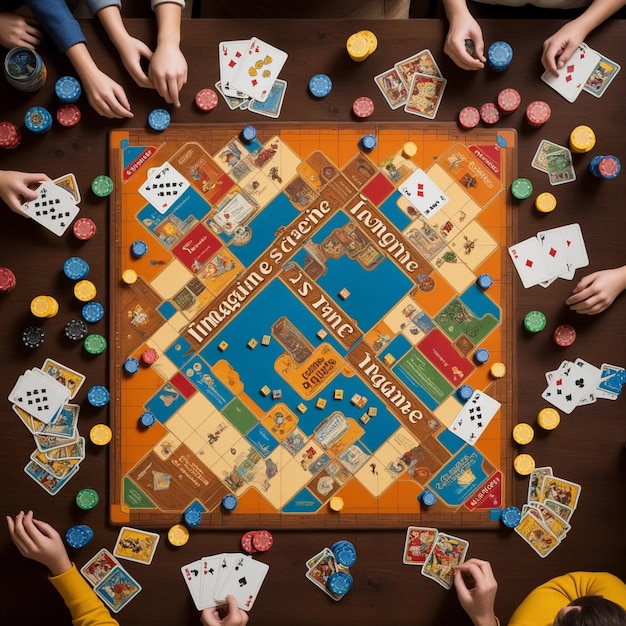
391 211
165 402
479 303
201 376
303 502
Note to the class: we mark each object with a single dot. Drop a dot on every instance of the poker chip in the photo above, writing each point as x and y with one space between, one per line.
485 281
538 113
246 542
138 248
262 540
87 499
38 120
534 321
100 434
67 89
368 142
192 517
33 337
336 503
229 502
68 115
149 356
129 276
498 370
523 433
509 100
409 149
102 186
582 139
131 366
481 355
521 188
147 419
524 464
44 306
511 516
464 393
469 117
427 498
85 290
159 119
358 46
344 552
76 330
545 202
10 137
7 279
371 38
95 344
548 418
78 536
98 396
609 166
248 134
92 312
564 335
206 99
489 113
320 85
363 107
593 165
75 268
84 228
499 56
178 535
339 583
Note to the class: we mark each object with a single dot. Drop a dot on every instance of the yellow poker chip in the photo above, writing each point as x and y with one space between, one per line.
129 277
523 433
178 535
582 139
498 370
548 418
545 202
44 306
358 47
524 464
100 434
85 290
371 40
336 503
409 149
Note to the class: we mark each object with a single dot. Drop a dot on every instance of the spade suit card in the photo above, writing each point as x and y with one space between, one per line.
570 383
54 207
164 186
474 417
243 581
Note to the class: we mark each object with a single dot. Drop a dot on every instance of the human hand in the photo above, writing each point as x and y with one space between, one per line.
15 190
16 31
558 49
461 28
227 615
168 72
40 542
595 293
131 51
106 96
476 587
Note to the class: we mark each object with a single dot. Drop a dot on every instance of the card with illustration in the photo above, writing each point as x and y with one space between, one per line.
99 566
117 589
425 95
448 552
136 545
418 544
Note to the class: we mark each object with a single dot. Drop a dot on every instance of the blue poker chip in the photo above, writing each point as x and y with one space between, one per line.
75 268
464 393
138 248
159 119
427 497
368 142
78 536
98 396
229 502
38 120
320 85
345 553
499 56
511 516
481 355
93 312
339 583
131 365
192 517
248 134
67 89
485 281
147 419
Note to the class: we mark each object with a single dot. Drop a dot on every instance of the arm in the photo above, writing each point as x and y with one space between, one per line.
463 26
231 615
558 49
168 68
15 190
17 31
57 20
595 293
476 587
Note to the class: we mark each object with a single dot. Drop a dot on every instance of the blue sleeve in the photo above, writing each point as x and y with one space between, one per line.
57 20
95 5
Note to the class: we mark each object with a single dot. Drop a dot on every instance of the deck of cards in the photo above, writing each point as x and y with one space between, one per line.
552 254
41 398
547 514
56 204
586 70
212 578
415 83
249 72
438 553
474 417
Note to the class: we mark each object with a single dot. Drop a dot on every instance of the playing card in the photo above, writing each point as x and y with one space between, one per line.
39 394
58 468
192 576
46 480
321 570
418 544
560 167
553 522
54 208
231 53
136 545
69 451
273 103
421 63
99 566
528 262
393 88
536 534
573 76
601 77
64 425
474 417
210 567
117 589
576 249
69 183
425 95
164 187
243 581
259 69
560 490
423 194
534 482
554 252
612 378
571 383
563 511
233 102
545 147
62 374
448 552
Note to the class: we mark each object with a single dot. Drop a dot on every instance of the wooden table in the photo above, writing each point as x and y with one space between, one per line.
587 448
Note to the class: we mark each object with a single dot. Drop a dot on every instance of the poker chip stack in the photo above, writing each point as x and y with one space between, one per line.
9 136
330 569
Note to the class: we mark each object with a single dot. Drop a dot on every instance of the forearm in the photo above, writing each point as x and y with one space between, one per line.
455 8
168 16
82 60
111 19
57 20
598 12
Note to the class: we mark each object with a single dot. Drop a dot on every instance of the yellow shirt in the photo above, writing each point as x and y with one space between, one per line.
84 605
541 605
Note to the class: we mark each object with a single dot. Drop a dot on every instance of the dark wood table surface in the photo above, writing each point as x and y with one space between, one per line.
588 446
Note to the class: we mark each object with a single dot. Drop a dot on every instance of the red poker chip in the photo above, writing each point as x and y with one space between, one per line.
363 107
206 99
538 113
564 335
469 117
84 228
7 279
9 135
262 540
246 542
508 100
68 115
608 167
149 356
489 113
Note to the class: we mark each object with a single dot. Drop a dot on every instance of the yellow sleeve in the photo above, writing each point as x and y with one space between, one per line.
541 605
84 605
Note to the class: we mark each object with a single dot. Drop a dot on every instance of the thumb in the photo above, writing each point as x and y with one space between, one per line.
233 607
564 57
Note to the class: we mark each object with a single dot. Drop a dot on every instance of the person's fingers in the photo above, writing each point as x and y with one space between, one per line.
566 54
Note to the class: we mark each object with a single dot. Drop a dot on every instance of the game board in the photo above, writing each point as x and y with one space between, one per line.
312 327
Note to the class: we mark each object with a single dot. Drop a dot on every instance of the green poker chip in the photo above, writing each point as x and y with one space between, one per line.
521 188
534 321
102 186
87 499
95 344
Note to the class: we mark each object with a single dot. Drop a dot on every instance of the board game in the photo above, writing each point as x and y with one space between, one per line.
302 330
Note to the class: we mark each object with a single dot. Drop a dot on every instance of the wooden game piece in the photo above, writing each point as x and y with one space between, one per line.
389 359
321 334
372 411
338 394
266 340
222 346
320 404
344 294
365 418
252 344
265 390
302 407
277 394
